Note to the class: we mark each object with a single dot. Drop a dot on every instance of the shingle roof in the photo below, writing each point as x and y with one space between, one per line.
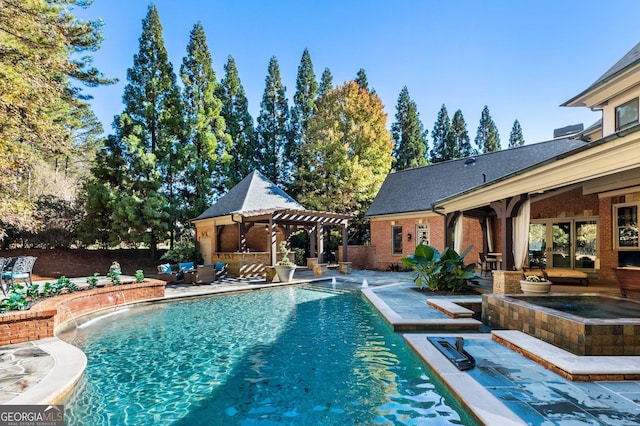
254 192
630 59
417 189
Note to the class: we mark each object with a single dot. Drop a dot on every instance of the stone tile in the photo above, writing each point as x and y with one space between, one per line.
564 413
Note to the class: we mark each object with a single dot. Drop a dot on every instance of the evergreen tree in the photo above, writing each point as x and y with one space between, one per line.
361 79
326 83
239 123
347 155
273 128
149 131
409 134
516 138
487 137
206 152
461 143
44 54
303 107
442 137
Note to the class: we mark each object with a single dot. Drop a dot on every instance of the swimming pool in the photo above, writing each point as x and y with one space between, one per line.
295 355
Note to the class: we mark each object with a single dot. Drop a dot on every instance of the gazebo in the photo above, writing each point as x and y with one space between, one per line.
246 225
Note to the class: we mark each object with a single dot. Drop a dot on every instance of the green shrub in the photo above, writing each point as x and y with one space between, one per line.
437 271
139 275
92 281
183 251
16 300
33 291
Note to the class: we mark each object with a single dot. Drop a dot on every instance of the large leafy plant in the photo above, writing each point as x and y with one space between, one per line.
437 271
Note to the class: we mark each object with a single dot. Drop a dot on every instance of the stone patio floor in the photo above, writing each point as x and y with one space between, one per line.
503 388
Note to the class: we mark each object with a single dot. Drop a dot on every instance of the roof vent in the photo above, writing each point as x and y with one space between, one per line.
471 161
568 130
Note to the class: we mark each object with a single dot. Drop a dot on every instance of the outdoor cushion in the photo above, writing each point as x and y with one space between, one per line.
185 266
8 275
165 268
220 266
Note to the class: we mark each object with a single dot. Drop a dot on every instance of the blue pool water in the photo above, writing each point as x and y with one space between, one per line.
288 356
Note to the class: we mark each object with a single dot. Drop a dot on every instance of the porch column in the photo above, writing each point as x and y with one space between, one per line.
312 242
506 210
274 253
484 223
320 242
345 242
242 238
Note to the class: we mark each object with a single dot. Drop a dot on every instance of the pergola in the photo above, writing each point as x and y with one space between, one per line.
290 220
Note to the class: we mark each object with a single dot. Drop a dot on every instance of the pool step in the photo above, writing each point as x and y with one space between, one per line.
451 307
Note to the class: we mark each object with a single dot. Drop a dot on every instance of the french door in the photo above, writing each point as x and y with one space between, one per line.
563 243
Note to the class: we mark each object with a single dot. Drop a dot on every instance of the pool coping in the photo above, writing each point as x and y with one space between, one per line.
400 324
69 365
480 402
584 368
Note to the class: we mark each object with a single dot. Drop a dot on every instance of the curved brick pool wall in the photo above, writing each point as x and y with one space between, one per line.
44 318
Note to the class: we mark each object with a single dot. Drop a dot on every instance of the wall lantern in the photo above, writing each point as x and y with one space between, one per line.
409 236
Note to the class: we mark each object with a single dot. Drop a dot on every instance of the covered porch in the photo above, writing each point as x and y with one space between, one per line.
577 212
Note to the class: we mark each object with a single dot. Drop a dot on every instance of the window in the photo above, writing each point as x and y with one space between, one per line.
627 114
625 218
422 234
396 239
563 243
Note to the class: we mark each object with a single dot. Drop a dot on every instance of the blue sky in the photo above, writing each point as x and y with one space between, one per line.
520 58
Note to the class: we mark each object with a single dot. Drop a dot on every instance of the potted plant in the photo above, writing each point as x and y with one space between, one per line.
285 267
533 284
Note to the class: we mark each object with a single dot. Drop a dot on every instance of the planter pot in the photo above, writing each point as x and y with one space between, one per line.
529 287
285 272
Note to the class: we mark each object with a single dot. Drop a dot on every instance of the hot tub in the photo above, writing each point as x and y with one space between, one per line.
584 324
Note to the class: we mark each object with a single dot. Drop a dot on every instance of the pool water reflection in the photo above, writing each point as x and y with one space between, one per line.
285 356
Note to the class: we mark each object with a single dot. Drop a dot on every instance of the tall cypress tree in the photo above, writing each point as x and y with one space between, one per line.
442 137
487 137
235 110
151 131
207 145
461 143
409 134
273 128
304 106
326 82
361 79
516 138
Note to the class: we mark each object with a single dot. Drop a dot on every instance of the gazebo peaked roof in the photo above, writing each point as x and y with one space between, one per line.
256 199
253 193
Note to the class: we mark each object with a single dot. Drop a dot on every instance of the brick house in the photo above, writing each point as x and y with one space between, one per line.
567 203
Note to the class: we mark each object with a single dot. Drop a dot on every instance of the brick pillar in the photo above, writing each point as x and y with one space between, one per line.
507 282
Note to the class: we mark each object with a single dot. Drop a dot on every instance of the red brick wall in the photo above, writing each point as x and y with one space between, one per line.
381 238
361 257
26 326
608 256
568 204
43 319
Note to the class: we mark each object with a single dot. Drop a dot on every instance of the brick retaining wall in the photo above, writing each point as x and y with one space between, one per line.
44 318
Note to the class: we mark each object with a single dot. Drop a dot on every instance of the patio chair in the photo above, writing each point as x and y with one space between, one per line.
19 270
3 263
486 265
